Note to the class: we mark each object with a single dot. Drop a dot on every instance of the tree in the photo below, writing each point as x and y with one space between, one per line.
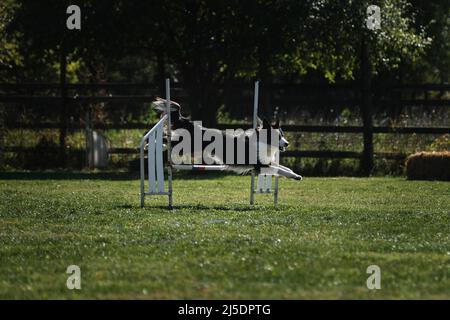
9 56
208 44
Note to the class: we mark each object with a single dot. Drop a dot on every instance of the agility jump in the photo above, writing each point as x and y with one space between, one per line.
152 143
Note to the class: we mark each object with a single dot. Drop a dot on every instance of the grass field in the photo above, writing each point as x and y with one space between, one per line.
316 244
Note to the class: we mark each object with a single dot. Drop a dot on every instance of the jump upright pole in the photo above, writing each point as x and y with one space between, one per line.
263 179
169 144
255 123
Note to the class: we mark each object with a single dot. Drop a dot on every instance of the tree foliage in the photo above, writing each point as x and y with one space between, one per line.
206 44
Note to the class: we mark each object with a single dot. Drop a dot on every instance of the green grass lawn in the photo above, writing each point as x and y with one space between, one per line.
317 244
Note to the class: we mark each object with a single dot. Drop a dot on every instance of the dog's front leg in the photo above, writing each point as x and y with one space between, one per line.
285 172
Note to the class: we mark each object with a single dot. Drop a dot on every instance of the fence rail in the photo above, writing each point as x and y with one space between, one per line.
286 128
236 85
57 100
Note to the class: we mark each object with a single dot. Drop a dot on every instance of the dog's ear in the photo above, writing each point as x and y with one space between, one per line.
266 124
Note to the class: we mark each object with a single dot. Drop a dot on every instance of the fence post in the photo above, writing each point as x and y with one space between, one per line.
63 111
366 110
89 140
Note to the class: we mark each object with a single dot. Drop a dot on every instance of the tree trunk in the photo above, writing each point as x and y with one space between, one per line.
63 111
366 109
265 109
203 97
161 74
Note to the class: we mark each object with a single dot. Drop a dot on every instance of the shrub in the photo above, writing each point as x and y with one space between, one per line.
428 166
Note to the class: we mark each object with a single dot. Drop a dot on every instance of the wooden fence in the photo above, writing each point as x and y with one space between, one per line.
64 95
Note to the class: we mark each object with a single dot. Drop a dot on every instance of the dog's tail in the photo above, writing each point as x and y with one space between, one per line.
160 106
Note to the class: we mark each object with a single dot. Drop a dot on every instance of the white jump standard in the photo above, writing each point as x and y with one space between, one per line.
153 140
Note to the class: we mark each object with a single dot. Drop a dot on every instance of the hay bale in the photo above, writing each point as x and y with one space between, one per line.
428 166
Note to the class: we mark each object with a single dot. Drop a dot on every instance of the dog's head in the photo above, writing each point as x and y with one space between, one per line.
282 142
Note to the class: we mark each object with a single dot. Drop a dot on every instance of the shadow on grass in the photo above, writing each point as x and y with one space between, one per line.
200 207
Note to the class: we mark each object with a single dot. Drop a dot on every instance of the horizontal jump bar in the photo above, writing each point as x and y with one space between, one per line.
199 167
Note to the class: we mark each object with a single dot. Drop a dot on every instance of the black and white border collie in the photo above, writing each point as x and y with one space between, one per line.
266 150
